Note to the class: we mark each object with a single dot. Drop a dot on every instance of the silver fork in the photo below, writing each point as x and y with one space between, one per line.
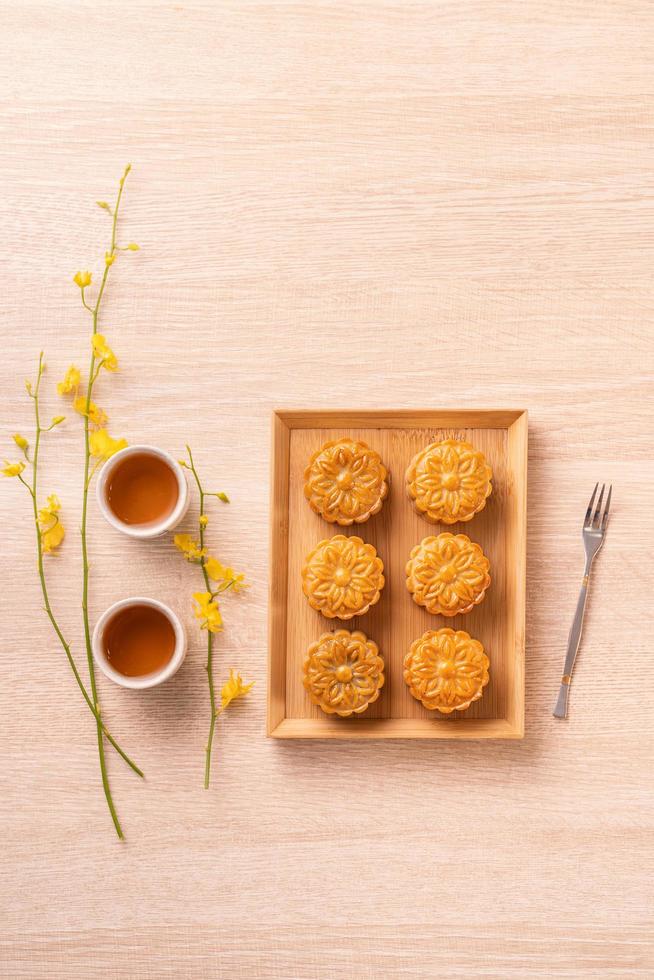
593 535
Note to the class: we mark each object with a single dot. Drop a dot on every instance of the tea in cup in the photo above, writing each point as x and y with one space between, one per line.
139 642
142 491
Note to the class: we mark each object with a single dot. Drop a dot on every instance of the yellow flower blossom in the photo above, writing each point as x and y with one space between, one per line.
188 546
221 573
207 612
52 506
103 205
83 279
133 247
102 445
238 581
96 415
215 569
109 258
204 520
13 469
71 381
233 689
103 352
52 537
20 441
52 530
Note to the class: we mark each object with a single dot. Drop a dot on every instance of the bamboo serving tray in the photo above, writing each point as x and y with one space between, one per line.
395 621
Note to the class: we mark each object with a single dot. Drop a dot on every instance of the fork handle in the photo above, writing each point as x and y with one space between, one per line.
574 638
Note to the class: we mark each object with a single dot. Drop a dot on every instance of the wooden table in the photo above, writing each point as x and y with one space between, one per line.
339 204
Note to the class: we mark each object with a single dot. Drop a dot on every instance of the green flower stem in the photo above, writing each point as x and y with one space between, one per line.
209 667
85 558
44 588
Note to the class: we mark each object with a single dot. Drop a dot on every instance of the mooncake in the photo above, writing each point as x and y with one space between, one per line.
343 577
345 482
446 670
449 481
343 672
447 574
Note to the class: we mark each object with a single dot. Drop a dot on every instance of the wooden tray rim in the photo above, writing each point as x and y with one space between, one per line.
283 420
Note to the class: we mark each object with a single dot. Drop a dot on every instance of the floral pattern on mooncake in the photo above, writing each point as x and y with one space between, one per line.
449 481
343 577
343 672
345 482
448 574
446 670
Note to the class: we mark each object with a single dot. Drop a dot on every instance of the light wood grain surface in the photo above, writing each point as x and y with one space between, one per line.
444 204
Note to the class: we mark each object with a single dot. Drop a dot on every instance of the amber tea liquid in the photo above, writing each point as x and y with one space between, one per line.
138 640
142 489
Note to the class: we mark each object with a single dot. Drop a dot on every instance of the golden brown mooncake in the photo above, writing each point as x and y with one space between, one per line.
345 482
447 574
343 672
446 670
343 577
449 481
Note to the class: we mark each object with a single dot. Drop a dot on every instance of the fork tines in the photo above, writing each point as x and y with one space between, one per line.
597 521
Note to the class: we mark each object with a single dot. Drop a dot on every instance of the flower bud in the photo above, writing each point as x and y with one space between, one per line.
83 279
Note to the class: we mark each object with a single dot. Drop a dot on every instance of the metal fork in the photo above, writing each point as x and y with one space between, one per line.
593 534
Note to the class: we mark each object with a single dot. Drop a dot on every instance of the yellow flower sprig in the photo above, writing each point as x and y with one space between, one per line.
98 444
49 536
217 579
47 518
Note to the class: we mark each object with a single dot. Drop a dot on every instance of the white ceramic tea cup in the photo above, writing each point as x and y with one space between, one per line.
154 528
142 681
